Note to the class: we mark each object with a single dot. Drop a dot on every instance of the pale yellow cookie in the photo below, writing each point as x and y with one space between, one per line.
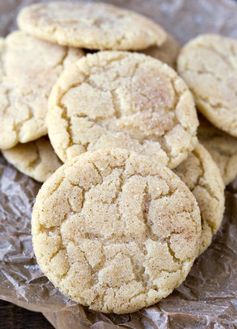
35 159
167 53
90 25
115 231
208 64
201 174
30 67
1 50
222 147
127 93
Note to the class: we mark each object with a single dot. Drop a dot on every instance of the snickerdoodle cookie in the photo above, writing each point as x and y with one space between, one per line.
208 64
139 97
28 70
115 231
90 25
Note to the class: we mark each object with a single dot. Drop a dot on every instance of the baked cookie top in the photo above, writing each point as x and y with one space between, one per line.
127 93
90 25
222 147
208 64
201 174
166 53
29 67
115 231
35 159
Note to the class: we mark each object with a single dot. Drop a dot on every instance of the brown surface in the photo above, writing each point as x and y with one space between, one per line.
14 317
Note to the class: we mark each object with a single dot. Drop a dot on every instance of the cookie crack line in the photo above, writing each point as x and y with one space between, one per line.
18 126
146 203
201 180
171 251
36 162
211 73
62 60
8 105
221 56
217 105
68 125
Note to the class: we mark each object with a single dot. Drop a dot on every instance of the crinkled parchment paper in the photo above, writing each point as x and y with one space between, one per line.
208 298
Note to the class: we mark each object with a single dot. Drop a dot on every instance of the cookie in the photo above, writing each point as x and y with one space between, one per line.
35 159
127 93
167 53
30 67
1 50
115 231
201 174
208 64
90 25
222 147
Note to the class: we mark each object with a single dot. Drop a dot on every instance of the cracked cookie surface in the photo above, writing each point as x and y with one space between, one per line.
222 147
115 231
35 159
90 25
208 64
28 70
202 176
130 95
167 53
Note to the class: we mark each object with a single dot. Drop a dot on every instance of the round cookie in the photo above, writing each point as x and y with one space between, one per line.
167 53
90 25
208 64
127 93
35 159
115 231
222 147
30 67
201 174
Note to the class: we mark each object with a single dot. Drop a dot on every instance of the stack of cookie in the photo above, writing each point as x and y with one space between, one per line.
118 226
